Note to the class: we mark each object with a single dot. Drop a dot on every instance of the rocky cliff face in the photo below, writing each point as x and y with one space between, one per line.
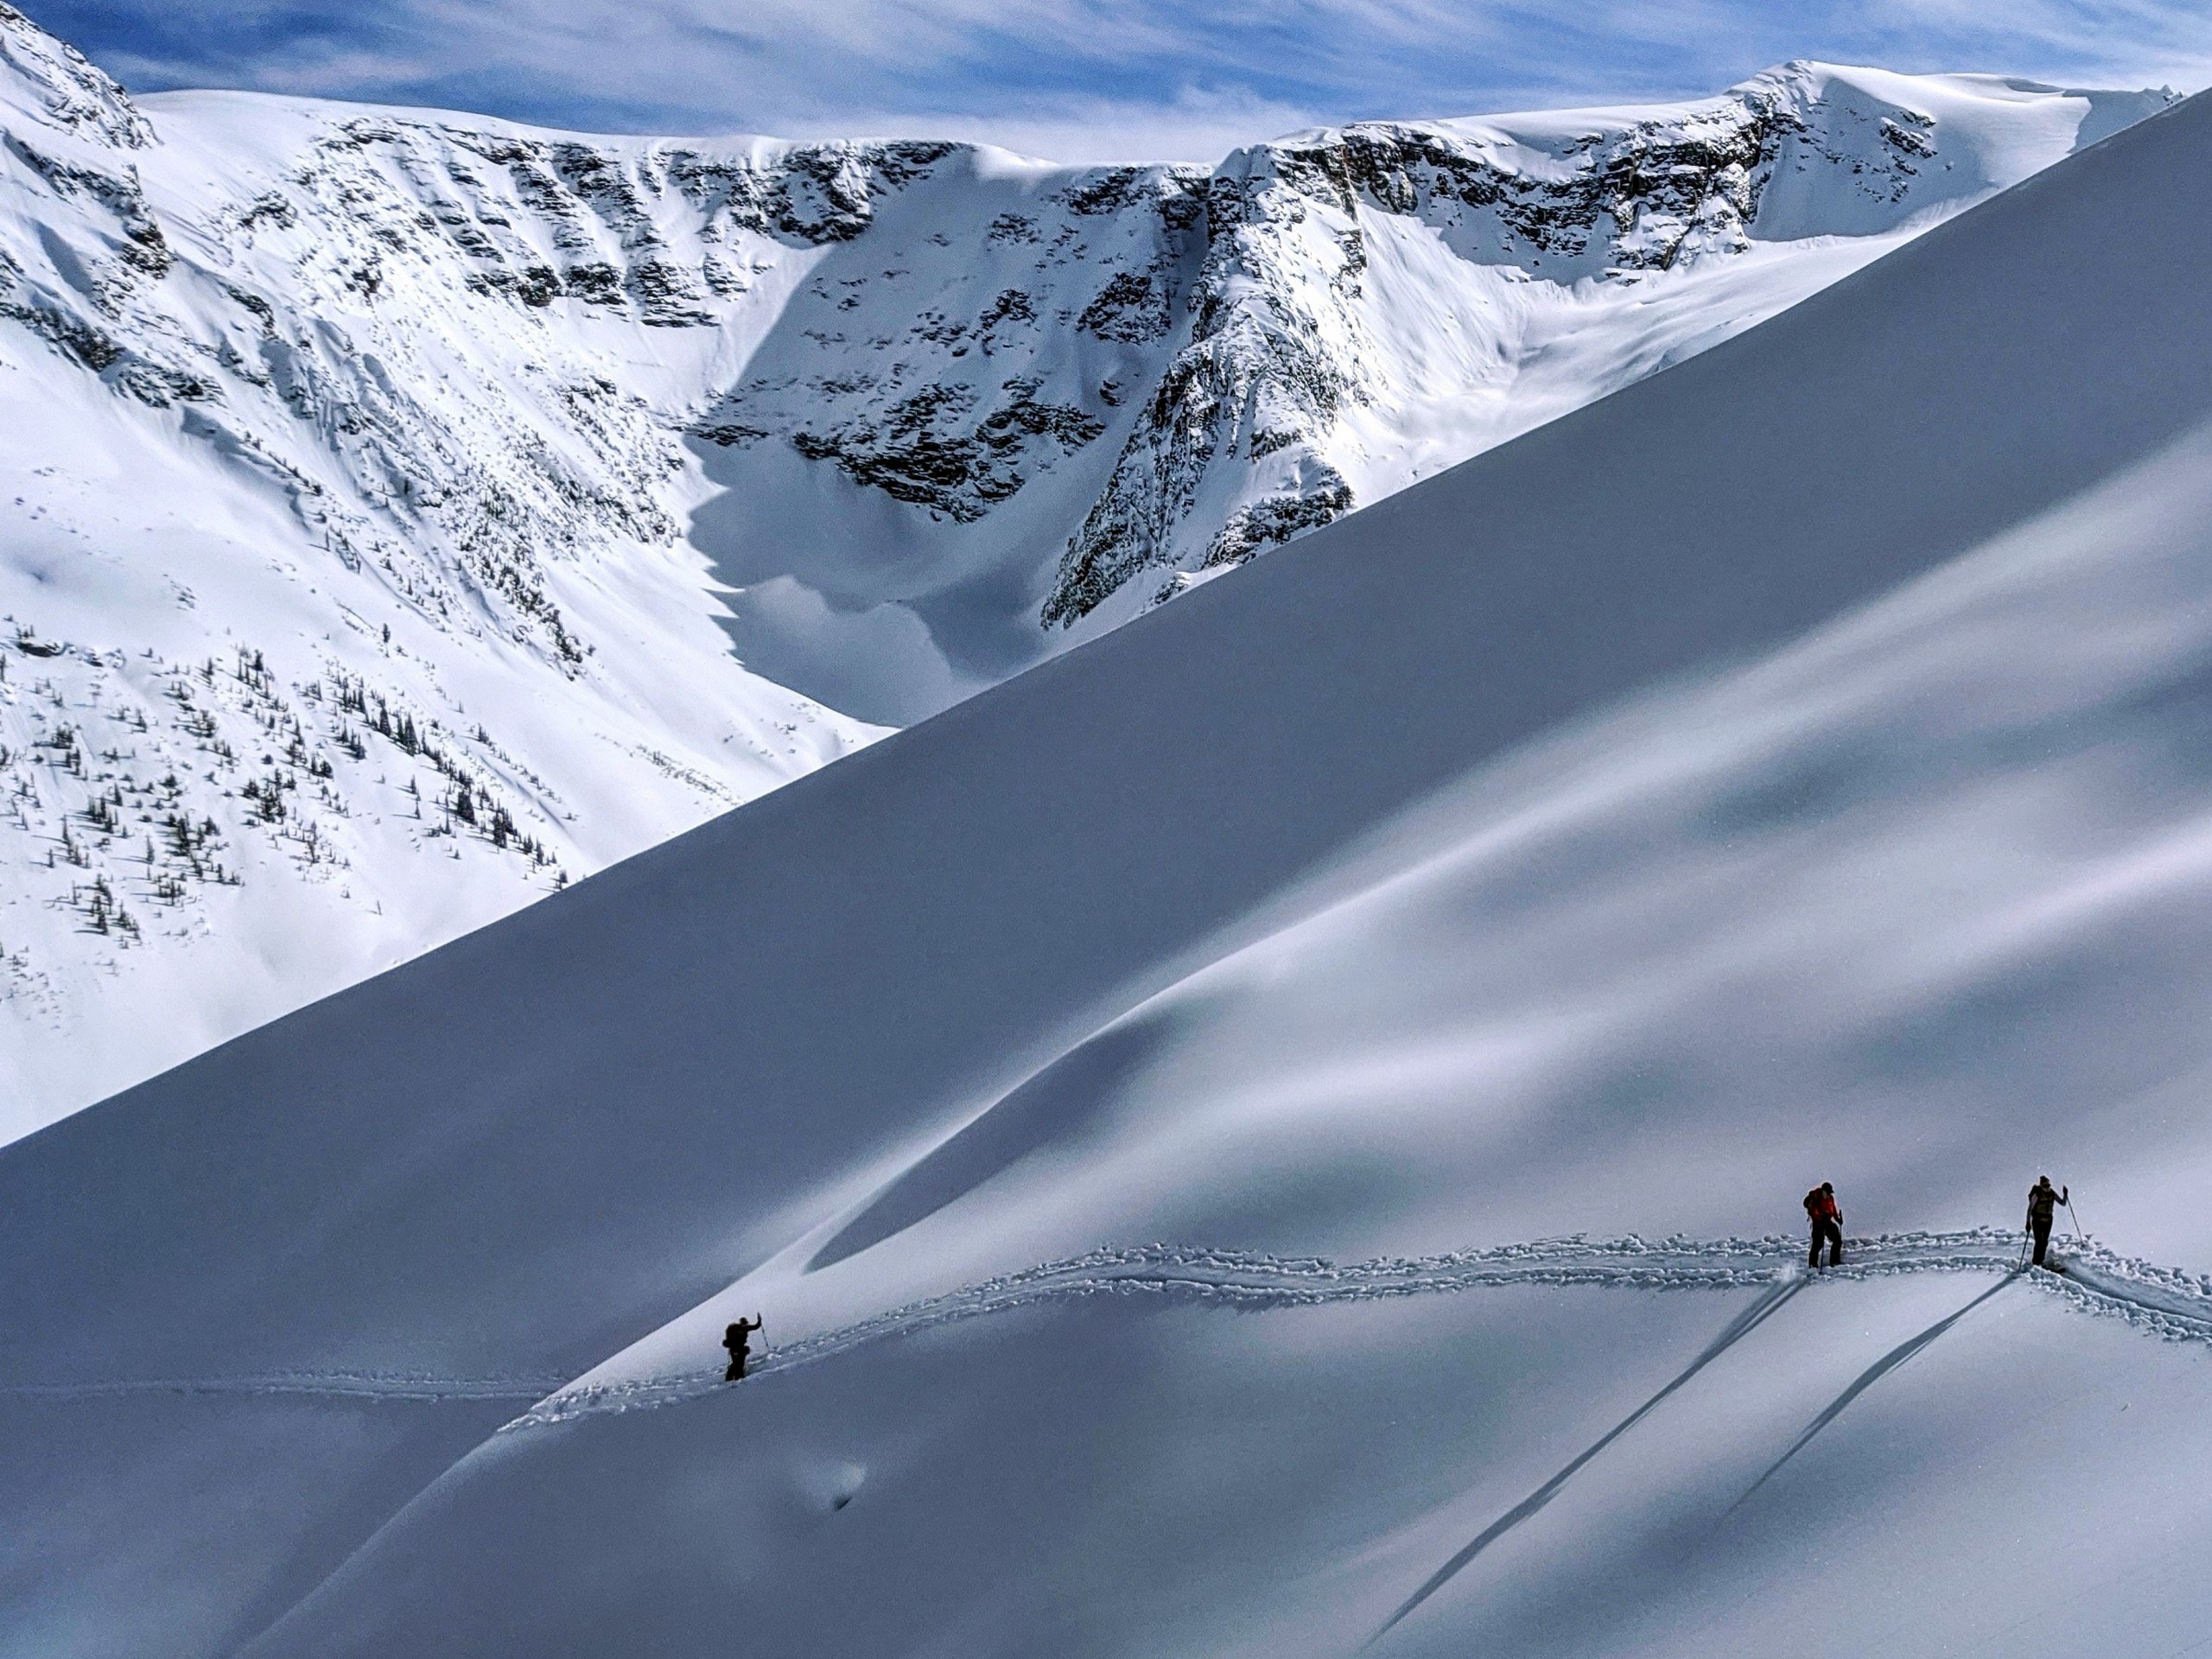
1292 325
388 488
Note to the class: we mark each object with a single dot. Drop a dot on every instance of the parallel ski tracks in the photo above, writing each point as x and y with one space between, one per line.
2164 1301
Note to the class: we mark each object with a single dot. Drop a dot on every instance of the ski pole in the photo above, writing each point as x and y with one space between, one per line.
2075 1219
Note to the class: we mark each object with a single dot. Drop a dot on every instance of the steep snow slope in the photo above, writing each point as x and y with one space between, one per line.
336 620
368 467
1546 849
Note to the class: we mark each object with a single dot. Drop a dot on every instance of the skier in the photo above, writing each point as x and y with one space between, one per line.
2042 1199
735 1339
1826 1218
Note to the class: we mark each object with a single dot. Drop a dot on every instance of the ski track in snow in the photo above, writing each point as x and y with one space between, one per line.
2173 1304
2165 1301
354 1385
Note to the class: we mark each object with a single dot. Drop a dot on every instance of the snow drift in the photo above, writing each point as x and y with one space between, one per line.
1790 767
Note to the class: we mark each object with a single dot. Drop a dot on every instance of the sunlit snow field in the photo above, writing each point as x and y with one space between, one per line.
1280 1131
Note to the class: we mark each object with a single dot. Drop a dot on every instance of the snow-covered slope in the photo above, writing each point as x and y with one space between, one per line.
336 618
1791 768
371 472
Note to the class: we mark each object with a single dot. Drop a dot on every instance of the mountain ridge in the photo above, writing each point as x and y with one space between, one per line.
392 486
1524 855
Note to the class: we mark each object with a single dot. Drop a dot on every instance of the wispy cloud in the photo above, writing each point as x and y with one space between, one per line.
1196 125
1087 80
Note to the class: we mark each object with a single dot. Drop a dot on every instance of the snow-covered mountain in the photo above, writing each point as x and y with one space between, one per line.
1279 1132
1059 398
379 479
338 615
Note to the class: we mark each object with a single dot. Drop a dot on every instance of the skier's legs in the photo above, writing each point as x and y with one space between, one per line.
2043 1239
1826 1231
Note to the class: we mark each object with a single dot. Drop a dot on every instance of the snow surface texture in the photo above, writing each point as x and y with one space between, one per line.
1791 768
371 471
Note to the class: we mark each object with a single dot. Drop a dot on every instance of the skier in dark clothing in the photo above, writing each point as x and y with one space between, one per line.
735 1339
1821 1210
2042 1199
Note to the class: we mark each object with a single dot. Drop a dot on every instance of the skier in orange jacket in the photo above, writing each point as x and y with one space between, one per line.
1821 1208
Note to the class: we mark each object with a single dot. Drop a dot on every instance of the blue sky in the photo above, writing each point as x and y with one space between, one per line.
1085 79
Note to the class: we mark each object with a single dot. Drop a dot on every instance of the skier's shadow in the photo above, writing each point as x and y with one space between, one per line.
1741 1326
1866 1380
1738 1328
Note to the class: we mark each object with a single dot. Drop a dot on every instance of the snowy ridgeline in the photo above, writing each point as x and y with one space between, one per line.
1278 1134
371 474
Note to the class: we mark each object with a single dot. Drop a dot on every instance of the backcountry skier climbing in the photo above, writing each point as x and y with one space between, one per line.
735 1339
2042 1199
1821 1208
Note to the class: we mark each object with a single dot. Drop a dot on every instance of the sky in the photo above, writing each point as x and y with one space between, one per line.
1086 80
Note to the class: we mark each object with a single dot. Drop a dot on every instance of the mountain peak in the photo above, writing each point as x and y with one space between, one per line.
418 510
48 82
